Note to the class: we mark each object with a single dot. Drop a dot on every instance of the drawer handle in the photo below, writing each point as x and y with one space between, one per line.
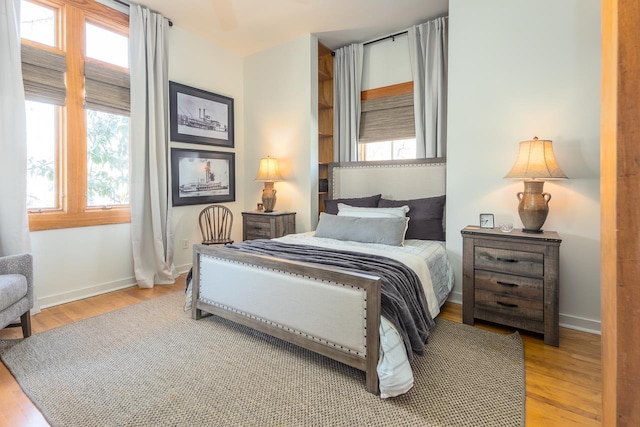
506 259
506 304
513 285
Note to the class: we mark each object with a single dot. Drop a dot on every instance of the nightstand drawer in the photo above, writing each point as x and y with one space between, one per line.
517 286
509 305
509 261
267 225
257 228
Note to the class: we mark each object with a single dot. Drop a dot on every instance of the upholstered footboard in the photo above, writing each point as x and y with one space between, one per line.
331 312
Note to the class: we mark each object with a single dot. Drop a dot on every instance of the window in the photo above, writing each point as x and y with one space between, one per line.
76 77
387 125
389 150
38 23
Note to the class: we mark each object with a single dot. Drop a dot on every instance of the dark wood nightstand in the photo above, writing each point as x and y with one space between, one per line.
512 279
262 225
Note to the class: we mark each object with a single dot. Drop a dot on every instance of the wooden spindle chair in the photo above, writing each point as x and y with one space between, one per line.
215 225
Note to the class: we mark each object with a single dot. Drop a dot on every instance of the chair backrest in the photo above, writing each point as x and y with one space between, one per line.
215 224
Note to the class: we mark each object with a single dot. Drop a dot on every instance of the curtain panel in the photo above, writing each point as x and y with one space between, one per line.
151 221
14 222
428 46
347 80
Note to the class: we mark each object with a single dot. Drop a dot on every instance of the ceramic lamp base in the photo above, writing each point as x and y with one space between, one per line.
533 207
268 197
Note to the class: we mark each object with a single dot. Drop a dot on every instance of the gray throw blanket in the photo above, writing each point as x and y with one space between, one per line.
403 301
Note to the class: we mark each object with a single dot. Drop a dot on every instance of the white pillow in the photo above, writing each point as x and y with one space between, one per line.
396 212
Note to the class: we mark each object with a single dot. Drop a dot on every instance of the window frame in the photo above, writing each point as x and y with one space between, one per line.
71 167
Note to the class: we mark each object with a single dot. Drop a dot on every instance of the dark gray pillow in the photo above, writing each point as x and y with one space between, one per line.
331 206
386 231
425 214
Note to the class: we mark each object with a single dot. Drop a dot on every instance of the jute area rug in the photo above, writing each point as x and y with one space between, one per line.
150 364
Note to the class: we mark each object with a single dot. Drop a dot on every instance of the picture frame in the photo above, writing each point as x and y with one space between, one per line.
200 117
202 177
486 220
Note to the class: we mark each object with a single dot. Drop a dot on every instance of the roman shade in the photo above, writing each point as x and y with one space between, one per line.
106 89
387 118
43 74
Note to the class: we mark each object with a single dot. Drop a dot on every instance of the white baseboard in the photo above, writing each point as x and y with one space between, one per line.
581 324
566 320
455 297
91 291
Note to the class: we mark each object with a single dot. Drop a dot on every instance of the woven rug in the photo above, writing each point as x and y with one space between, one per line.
150 364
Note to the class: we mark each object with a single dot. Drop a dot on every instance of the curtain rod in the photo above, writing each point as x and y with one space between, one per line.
392 36
124 3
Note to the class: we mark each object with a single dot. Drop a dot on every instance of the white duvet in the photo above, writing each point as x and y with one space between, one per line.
394 371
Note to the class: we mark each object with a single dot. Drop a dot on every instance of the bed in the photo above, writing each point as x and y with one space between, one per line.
326 307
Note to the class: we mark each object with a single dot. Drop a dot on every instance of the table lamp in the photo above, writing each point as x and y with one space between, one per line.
535 164
268 173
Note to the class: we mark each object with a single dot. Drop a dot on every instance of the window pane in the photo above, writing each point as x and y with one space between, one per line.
404 149
107 159
41 155
38 23
390 150
107 46
378 150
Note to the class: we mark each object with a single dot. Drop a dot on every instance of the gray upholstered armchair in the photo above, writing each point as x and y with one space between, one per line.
16 291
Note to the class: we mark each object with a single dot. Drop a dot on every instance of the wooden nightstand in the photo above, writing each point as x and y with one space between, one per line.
262 225
512 279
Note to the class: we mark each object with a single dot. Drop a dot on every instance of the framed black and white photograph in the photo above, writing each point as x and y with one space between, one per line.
200 117
201 177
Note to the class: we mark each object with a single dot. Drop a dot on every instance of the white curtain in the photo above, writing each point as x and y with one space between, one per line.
347 81
428 46
151 223
14 223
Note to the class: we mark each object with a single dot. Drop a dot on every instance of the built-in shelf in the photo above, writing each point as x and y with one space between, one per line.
323 77
325 120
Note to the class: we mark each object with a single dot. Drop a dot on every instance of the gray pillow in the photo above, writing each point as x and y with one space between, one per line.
426 216
387 231
331 206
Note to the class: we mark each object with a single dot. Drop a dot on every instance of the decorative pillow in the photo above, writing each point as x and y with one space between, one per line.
387 231
331 206
346 210
425 214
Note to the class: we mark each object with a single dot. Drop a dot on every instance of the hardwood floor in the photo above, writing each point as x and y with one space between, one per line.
563 385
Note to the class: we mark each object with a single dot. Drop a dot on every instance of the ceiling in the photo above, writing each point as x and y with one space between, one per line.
249 26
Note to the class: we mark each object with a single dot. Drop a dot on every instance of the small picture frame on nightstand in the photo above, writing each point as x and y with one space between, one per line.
486 220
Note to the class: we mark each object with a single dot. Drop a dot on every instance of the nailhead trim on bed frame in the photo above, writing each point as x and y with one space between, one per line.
278 325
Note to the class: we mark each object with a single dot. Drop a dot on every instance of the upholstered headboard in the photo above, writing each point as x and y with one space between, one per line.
396 179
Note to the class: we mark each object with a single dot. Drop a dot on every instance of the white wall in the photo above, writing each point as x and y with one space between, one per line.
196 63
376 71
519 69
281 103
75 263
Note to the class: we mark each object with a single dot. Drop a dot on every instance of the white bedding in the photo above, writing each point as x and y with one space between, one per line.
428 259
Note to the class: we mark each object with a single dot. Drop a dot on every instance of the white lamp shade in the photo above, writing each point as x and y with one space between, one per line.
536 161
268 170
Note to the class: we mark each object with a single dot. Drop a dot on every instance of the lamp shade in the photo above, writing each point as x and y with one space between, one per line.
268 170
536 161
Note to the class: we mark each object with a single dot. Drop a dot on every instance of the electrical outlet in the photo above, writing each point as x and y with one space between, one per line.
185 244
